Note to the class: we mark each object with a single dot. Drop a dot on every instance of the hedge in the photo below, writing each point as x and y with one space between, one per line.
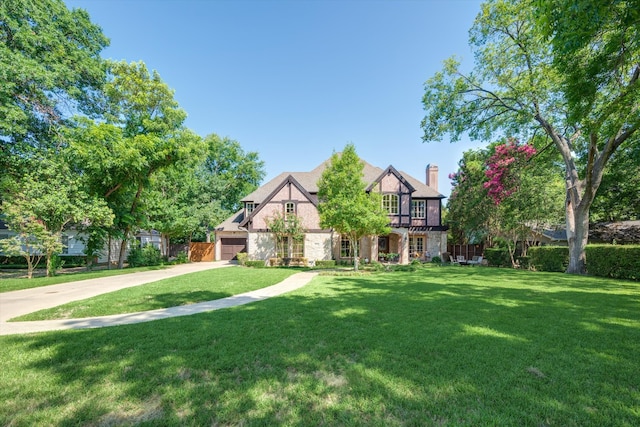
255 263
497 257
325 263
616 261
21 262
549 258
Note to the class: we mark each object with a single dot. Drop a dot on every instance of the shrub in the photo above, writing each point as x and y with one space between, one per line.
182 258
549 258
524 262
330 263
497 257
436 260
55 264
147 255
243 257
254 263
375 266
619 262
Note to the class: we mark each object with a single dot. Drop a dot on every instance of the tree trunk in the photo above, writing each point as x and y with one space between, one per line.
109 253
123 249
578 237
356 254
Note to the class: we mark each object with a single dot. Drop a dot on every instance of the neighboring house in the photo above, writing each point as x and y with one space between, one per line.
620 232
74 242
414 216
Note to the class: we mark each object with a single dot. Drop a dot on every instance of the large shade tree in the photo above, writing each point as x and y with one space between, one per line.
142 133
555 68
345 205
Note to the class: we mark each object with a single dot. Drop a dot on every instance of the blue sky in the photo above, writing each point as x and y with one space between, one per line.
297 80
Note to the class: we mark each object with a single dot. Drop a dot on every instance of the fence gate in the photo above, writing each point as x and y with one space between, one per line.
199 252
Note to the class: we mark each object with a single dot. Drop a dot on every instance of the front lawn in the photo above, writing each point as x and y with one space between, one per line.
442 346
190 288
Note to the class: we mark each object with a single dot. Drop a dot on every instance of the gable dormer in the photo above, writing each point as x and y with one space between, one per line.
396 193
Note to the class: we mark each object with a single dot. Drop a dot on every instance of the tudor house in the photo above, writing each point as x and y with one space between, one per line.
414 209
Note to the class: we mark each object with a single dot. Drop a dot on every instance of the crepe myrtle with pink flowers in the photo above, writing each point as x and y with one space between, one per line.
503 166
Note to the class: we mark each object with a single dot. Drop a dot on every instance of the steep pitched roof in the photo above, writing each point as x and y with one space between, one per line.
233 222
393 171
288 180
309 181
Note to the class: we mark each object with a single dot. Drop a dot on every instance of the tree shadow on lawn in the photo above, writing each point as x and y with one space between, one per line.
396 349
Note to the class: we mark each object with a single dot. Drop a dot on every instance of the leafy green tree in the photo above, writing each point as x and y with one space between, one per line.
471 213
31 241
47 199
227 174
502 193
619 196
345 205
519 86
142 133
50 67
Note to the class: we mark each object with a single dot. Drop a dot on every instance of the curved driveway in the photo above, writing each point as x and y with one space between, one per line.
18 303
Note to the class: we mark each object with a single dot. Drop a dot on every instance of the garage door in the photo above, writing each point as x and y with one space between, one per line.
230 247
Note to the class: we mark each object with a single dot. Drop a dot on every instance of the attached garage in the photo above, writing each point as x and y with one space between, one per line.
231 246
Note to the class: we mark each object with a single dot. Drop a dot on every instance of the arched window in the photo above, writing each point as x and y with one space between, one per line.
390 203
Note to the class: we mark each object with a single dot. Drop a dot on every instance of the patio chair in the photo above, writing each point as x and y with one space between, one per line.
476 260
461 260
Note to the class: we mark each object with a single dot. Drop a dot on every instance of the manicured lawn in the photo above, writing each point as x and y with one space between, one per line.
11 284
182 290
448 346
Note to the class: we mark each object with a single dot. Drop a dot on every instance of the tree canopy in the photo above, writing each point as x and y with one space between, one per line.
51 68
521 86
100 145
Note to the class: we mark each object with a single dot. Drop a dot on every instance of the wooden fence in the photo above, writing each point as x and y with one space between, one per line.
468 251
199 252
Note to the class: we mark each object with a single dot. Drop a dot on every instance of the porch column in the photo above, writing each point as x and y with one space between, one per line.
374 248
404 257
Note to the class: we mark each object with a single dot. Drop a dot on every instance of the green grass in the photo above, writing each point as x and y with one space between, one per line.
442 346
190 288
12 284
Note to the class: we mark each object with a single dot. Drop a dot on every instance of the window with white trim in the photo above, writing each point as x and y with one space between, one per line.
289 208
345 247
416 246
418 209
390 203
250 208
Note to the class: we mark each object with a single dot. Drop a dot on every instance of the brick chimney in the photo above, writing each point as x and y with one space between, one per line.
432 176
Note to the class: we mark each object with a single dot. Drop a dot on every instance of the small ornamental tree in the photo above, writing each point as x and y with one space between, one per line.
345 205
31 242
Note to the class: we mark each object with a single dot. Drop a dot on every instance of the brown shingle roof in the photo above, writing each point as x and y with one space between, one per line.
309 180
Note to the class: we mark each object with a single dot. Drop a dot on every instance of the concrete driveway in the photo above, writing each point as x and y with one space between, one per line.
18 303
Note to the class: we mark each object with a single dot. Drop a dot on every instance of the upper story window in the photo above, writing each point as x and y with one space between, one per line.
390 203
418 209
289 209
250 208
